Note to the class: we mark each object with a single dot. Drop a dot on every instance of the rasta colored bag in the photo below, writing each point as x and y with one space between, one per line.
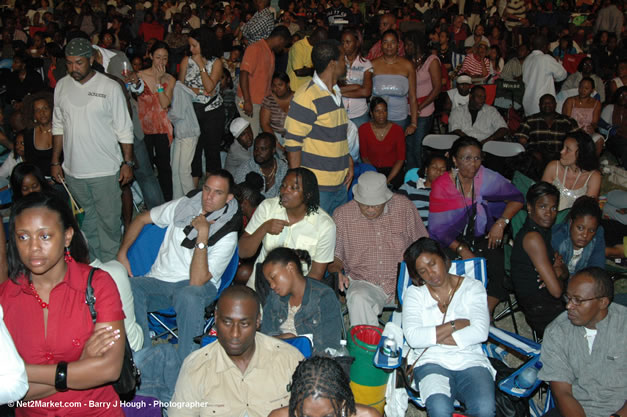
130 377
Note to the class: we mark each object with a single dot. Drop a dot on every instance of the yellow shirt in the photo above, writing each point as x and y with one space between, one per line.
210 384
299 57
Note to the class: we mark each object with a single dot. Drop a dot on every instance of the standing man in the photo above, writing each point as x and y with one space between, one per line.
261 24
583 350
317 125
540 71
90 119
299 65
255 75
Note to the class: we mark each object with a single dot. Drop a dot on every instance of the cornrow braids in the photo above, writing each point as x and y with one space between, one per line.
321 377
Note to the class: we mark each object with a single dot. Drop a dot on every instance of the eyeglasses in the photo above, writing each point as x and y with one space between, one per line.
467 159
576 300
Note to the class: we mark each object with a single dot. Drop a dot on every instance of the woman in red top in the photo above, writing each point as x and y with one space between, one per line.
382 143
70 362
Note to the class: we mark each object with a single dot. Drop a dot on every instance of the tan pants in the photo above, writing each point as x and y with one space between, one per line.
365 301
254 121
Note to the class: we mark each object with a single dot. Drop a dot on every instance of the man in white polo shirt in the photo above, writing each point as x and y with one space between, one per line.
91 122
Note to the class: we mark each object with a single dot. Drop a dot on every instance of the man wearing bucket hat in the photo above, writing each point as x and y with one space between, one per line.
241 149
373 231
90 124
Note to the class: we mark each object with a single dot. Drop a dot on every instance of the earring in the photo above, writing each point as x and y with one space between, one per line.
68 256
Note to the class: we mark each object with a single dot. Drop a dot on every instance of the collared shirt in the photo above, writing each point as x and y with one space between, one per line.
540 73
210 384
258 62
598 377
387 236
315 233
540 136
259 26
68 329
488 121
251 166
336 94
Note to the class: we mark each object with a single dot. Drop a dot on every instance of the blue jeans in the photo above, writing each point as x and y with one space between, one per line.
145 176
160 365
189 302
473 387
414 142
330 200
361 119
402 123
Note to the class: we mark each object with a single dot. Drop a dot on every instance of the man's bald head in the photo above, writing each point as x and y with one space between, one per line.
239 293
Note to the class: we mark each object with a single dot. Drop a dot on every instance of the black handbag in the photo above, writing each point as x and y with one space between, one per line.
130 377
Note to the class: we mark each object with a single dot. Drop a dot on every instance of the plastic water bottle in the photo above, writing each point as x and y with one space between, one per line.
342 351
527 377
390 348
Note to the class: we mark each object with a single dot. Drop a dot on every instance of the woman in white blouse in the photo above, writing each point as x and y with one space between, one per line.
445 320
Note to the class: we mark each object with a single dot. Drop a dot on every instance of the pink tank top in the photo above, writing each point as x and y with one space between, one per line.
424 86
583 116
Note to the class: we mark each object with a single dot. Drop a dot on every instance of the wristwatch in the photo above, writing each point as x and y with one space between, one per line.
201 246
505 219
452 323
129 163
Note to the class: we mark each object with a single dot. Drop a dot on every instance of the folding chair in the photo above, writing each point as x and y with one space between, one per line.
440 142
302 343
411 175
473 268
141 256
503 149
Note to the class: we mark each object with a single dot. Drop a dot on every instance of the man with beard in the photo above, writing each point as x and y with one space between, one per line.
244 373
90 124
543 133
266 163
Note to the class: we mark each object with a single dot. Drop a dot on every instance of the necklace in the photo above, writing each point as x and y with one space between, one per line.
390 63
449 296
41 302
272 173
42 130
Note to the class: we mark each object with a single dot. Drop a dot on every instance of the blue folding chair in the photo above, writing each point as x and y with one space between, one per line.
143 253
475 268
302 343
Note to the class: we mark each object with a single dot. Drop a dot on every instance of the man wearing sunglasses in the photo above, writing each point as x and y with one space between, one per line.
583 351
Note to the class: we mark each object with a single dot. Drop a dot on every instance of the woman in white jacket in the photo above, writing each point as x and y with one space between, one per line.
445 320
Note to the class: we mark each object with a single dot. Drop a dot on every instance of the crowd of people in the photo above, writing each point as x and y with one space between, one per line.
279 134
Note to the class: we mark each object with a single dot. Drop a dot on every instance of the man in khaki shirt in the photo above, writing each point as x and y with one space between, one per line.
245 374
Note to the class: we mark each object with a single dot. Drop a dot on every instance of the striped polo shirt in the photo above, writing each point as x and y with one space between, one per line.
317 126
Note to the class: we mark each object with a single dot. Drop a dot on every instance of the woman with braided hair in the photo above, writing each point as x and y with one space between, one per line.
320 388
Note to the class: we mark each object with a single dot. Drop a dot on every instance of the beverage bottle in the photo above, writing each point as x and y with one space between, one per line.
526 378
342 351
390 347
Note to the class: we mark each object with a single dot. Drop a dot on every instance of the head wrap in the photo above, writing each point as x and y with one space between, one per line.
79 47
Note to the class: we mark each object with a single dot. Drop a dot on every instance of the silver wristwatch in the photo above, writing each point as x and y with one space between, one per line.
201 246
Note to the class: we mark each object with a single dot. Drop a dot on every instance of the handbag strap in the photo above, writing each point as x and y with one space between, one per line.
90 298
67 190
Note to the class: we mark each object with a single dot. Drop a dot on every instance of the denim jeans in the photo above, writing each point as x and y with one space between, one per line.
189 302
330 200
160 365
414 142
361 119
145 176
473 387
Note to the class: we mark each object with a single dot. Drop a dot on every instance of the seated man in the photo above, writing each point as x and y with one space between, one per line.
266 163
543 133
373 231
583 350
244 373
239 151
200 240
512 71
477 119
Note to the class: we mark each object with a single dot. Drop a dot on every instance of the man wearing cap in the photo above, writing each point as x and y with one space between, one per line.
373 231
459 95
266 163
240 151
92 128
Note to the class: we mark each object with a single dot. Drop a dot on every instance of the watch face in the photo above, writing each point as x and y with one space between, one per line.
201 245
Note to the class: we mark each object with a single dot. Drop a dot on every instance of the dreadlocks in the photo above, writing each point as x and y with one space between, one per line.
321 377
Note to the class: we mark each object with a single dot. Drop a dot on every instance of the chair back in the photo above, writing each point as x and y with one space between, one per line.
503 149
411 175
441 142
143 252
357 171
302 343
471 268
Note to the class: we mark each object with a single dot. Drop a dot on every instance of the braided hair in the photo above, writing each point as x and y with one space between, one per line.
321 377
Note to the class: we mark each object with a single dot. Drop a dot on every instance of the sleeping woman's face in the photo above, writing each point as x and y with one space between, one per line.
30 184
582 230
279 277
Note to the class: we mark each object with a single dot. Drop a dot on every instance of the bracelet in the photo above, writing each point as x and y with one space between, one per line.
60 377
413 124
55 164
